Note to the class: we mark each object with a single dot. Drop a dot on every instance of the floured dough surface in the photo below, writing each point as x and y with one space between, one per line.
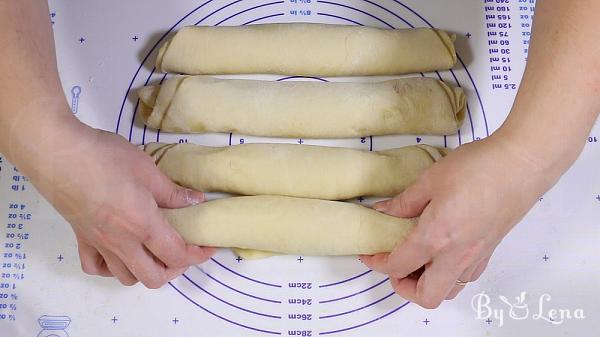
306 49
293 170
289 226
301 109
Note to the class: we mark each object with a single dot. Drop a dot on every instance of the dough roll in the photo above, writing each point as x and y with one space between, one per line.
289 226
306 49
301 109
293 170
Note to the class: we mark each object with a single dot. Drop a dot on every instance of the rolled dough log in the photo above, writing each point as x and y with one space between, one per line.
306 49
293 170
300 109
289 225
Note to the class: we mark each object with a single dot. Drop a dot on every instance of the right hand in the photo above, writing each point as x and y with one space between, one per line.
110 192
467 203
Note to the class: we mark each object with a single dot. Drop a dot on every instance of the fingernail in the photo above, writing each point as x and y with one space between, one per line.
193 197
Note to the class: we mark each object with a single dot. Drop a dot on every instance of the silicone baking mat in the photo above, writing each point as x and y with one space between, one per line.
106 50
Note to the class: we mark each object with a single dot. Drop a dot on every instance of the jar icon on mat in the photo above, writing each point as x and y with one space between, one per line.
54 326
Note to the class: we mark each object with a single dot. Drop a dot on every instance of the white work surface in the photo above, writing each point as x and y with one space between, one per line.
106 50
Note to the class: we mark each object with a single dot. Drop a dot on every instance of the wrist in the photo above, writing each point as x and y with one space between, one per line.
38 131
541 153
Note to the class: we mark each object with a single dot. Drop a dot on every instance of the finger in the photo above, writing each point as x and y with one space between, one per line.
142 264
170 195
480 269
406 257
437 281
407 204
92 263
105 271
464 277
425 241
405 287
455 291
470 275
168 246
173 273
148 273
118 268
146 267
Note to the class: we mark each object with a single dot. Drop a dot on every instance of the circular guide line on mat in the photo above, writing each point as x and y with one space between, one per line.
279 16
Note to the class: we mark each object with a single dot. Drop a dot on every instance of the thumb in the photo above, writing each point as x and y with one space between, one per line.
408 204
170 195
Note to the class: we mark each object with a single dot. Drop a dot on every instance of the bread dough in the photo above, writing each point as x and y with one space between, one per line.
253 254
293 170
301 109
289 225
306 49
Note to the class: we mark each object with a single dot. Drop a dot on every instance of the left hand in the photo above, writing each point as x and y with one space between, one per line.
467 203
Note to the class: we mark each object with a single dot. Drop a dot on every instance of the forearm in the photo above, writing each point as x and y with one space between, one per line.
32 102
559 97
35 119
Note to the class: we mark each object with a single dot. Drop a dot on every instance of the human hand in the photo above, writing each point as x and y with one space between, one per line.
110 192
467 202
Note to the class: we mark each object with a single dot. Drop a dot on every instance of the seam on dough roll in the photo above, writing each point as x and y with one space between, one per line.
161 54
147 96
163 101
158 150
435 153
448 41
461 107
308 171
457 98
